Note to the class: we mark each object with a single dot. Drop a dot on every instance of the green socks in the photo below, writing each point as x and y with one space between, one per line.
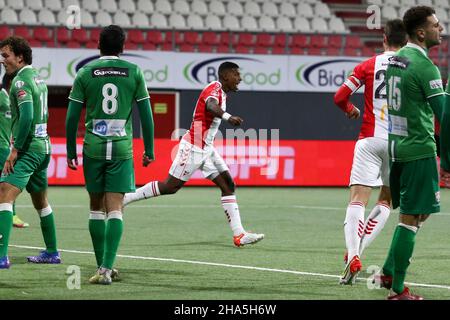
113 234
48 229
97 229
400 253
5 227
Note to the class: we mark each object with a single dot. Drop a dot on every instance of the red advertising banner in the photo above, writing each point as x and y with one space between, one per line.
251 163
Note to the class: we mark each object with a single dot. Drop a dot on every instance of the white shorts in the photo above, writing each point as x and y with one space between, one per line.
370 163
190 158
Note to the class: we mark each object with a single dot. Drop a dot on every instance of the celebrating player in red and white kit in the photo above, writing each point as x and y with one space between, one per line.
371 161
196 151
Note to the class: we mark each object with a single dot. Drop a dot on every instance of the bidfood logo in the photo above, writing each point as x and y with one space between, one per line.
206 71
329 73
150 75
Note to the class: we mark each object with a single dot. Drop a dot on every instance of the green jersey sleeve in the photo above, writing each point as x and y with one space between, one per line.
77 92
22 92
141 88
431 81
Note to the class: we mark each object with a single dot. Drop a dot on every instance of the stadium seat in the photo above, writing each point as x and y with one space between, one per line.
305 10
176 37
122 19
242 49
278 50
131 46
80 35
192 37
252 9
408 3
73 45
155 37
299 41
158 20
389 12
204 48
15 4
181 7
109 6
284 24
314 51
249 23
442 4
34 5
210 38
269 9
441 14
318 41
163 6
217 7
319 25
194 21
53 5
336 25
223 49
333 51
264 40
9 16
297 51
301 24
231 23
86 19
353 42
103 18
5 32
43 34
261 50
27 16
199 7
266 23
67 3
136 36
91 45
34 43
281 40
94 34
90 6
46 17
186 48
145 6
177 21
351 52
23 31
424 3
226 38
367 52
287 9
321 10
149 46
335 41
213 22
235 8
62 36
140 19
245 39
127 6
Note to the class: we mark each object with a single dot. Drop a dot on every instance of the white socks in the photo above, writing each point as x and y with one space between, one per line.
374 224
354 228
231 209
150 190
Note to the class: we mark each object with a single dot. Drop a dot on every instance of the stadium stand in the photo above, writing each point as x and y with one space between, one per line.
327 27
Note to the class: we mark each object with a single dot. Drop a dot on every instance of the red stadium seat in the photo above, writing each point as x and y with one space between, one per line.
312 51
136 36
177 36
34 43
166 47
351 52
223 49
335 41
205 48
333 51
91 45
279 50
245 39
80 35
281 40
242 49
264 39
299 41
5 32
297 50
155 37
62 36
186 47
318 41
23 31
149 46
94 34
261 50
353 42
43 34
131 46
73 44
225 38
368 52
192 37
210 38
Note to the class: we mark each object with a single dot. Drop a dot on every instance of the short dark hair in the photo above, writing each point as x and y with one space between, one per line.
226 66
415 18
112 39
395 32
19 46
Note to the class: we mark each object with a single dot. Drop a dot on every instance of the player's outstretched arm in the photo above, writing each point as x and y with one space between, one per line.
72 119
145 113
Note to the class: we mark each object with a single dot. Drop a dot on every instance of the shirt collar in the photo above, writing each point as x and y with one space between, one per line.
29 66
109 57
415 46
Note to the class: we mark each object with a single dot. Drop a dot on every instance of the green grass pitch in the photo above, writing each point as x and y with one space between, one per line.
180 247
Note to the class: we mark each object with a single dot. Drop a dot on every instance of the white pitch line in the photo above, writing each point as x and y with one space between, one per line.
230 266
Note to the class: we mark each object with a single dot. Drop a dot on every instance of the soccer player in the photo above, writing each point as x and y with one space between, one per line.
108 87
196 151
5 136
371 161
415 95
27 162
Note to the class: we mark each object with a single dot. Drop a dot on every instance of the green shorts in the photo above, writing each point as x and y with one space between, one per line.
415 186
4 153
30 171
108 175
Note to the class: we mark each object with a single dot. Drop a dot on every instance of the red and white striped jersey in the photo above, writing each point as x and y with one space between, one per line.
371 73
204 125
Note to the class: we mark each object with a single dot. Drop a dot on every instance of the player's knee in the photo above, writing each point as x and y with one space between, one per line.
231 186
172 189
